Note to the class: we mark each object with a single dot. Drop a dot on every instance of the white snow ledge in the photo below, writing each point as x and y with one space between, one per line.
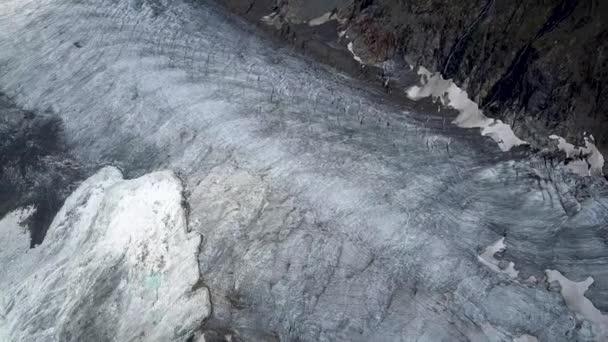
588 161
434 85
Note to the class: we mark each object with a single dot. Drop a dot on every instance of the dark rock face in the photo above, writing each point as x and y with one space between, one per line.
540 66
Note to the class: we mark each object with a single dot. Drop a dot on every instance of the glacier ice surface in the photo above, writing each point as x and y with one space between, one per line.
327 213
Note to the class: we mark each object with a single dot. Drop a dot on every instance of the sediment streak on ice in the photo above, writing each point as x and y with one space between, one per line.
117 264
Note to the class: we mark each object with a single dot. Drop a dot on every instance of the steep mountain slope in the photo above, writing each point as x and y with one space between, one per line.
539 66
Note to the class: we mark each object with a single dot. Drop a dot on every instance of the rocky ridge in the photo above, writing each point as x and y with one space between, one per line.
540 67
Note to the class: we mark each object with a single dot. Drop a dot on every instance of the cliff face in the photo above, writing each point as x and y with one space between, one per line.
540 66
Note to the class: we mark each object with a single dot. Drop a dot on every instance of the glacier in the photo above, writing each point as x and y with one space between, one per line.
297 203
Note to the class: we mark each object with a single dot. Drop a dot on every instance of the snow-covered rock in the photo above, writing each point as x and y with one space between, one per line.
118 264
470 115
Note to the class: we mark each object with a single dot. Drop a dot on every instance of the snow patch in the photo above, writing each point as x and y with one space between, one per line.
118 262
487 258
587 160
14 242
470 116
357 58
532 280
574 296
324 18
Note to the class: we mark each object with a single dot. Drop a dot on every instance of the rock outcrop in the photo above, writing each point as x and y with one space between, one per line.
539 66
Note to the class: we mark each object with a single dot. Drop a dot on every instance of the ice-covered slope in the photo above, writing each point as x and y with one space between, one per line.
118 264
327 213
